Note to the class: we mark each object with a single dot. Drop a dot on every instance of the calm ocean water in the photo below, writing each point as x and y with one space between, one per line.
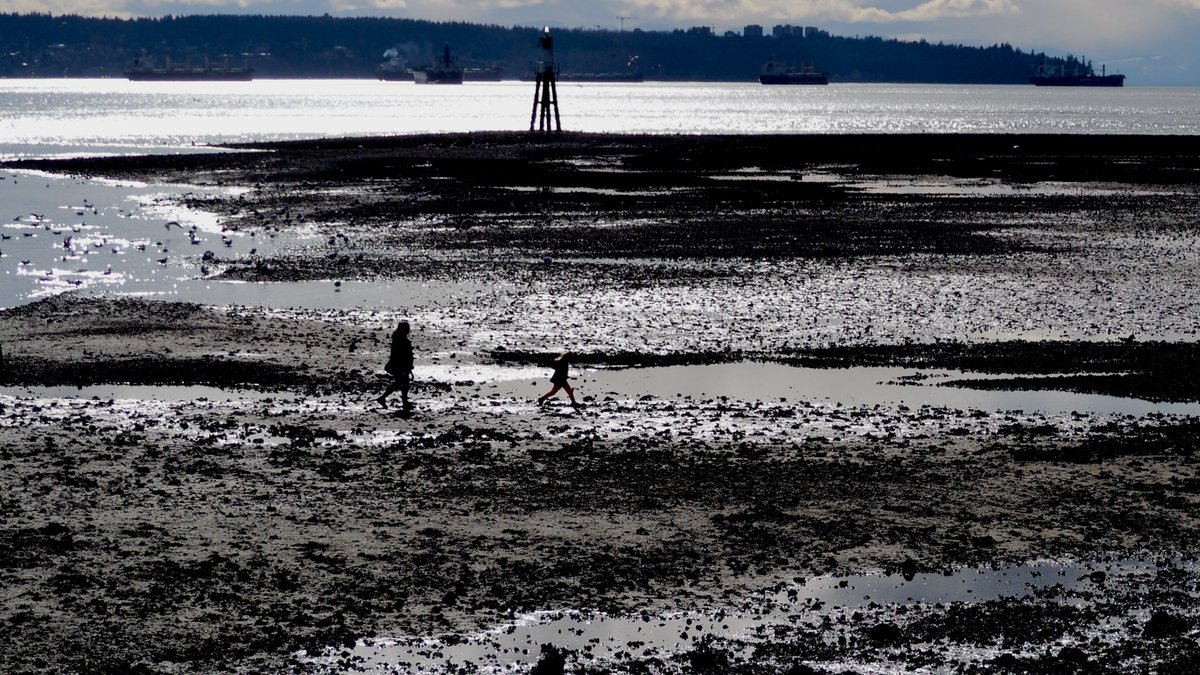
67 117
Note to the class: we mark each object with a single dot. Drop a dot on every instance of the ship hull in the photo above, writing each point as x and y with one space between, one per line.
437 76
195 75
1078 81
600 77
794 78
481 75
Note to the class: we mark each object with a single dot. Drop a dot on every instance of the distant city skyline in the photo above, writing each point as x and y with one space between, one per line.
1153 41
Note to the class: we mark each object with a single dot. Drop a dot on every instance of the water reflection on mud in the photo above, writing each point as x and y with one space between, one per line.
601 640
860 386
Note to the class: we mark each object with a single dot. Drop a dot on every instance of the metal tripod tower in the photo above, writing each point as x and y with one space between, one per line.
545 92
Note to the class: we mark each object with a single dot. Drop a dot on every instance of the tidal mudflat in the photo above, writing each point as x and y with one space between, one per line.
210 487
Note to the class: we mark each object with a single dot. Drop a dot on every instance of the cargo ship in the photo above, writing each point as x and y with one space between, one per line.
488 74
143 70
1085 77
631 74
601 77
444 70
782 73
393 68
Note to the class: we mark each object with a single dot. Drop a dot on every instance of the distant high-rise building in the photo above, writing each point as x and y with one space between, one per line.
813 31
783 31
753 31
700 30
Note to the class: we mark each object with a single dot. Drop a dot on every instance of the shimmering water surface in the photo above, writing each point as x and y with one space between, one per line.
51 117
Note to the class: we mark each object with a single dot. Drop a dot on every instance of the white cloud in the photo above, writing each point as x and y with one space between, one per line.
935 10
850 11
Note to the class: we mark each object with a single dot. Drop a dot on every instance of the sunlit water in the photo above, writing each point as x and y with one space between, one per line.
54 117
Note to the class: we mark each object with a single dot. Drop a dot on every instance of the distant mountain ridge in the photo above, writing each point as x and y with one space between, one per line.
44 45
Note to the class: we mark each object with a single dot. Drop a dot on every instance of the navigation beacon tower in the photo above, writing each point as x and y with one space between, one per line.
545 91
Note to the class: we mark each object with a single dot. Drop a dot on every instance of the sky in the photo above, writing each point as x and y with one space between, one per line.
1151 41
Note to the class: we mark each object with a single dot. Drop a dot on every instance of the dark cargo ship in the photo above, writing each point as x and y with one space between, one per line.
142 70
1087 77
781 73
632 73
444 70
601 77
393 69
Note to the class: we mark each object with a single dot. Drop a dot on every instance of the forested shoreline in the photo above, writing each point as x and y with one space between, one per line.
44 45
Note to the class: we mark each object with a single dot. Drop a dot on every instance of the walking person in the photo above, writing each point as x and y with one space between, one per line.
399 366
559 379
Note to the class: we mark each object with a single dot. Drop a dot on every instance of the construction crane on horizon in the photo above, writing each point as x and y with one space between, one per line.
622 18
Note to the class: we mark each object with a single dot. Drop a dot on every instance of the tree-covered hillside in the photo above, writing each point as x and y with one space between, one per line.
42 45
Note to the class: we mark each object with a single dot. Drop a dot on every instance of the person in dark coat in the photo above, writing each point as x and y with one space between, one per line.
399 365
559 379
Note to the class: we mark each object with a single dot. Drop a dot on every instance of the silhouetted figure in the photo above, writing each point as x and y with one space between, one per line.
559 379
552 662
399 365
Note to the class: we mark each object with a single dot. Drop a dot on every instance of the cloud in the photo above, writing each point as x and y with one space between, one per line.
935 10
848 11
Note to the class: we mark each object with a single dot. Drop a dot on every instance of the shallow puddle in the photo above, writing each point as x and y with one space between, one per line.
121 392
599 639
71 234
745 381
767 382
327 294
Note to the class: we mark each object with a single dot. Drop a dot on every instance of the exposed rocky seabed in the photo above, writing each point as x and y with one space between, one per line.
204 488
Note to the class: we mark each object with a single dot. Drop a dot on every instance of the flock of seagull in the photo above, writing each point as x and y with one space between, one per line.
74 248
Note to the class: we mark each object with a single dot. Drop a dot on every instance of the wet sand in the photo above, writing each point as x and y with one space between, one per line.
229 533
